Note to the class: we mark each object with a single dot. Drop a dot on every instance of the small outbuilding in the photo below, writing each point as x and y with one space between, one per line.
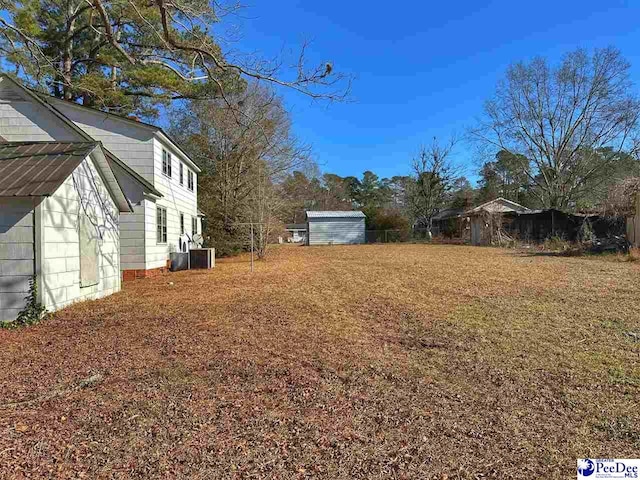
486 219
59 222
297 232
335 227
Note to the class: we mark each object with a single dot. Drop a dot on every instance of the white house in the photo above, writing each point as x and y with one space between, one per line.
335 227
59 213
158 178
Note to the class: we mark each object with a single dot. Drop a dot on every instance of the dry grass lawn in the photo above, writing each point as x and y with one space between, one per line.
377 361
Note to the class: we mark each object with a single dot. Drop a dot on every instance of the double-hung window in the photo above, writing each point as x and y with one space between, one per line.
182 224
161 224
181 170
166 163
190 180
194 225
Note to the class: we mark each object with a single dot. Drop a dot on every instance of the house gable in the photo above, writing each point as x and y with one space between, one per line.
24 120
25 117
103 124
499 205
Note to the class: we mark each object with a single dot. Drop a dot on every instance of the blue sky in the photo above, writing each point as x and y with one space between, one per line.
421 68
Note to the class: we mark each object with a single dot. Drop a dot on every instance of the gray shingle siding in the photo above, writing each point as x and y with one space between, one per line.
16 254
337 231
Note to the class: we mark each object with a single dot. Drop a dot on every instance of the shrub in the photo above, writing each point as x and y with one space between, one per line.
32 312
586 234
555 243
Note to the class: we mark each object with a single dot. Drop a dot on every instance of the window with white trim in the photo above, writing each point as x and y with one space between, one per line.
190 180
166 163
194 225
161 224
181 223
181 173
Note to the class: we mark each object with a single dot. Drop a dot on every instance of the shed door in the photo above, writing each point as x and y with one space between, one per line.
476 231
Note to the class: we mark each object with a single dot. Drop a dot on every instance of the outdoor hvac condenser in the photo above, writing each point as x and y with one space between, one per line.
202 258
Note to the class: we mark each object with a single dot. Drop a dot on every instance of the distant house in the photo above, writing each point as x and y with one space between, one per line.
60 204
298 232
501 220
335 227
485 219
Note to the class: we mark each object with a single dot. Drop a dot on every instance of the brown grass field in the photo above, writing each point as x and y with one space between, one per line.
376 361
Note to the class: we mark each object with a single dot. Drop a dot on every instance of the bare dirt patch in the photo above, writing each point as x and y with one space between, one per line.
377 361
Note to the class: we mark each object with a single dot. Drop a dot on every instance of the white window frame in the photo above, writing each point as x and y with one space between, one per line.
166 163
194 225
181 223
181 173
161 225
190 179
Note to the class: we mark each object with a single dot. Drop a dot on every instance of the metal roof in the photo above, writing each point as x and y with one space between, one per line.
336 214
29 169
499 205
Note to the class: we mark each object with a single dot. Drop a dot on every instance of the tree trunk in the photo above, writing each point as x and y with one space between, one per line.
67 53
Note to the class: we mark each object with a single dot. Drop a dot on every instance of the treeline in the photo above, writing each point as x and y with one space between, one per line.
383 200
390 203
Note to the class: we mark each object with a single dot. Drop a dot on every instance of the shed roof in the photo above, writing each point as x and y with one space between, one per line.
447 213
29 169
499 205
336 214
295 226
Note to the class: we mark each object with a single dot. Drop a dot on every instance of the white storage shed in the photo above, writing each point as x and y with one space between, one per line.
335 227
59 221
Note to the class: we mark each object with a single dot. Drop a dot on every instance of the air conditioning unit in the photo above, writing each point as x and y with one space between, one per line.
202 258
179 261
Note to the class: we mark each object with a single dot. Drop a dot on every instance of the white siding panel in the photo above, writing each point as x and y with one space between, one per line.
131 144
132 239
176 199
82 192
156 254
337 231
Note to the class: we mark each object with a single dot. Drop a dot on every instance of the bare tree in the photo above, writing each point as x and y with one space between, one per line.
622 198
244 162
561 119
433 177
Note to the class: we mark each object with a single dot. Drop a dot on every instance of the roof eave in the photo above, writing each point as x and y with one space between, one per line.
148 186
124 206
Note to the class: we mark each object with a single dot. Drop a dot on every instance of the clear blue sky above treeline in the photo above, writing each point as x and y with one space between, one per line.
421 68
